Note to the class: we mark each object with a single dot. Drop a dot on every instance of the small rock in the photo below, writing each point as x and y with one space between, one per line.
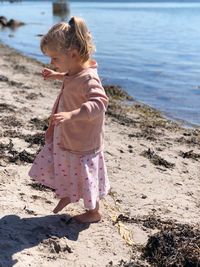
143 196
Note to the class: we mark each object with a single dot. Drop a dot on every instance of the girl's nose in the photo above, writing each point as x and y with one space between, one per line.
51 62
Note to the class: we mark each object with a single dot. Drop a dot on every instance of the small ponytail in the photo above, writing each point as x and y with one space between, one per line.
81 38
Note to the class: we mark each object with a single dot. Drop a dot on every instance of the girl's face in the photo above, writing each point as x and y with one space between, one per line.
60 60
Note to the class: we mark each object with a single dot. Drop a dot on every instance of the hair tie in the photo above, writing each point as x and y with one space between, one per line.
71 22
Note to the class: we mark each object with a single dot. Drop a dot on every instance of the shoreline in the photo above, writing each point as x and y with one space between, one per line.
183 122
153 167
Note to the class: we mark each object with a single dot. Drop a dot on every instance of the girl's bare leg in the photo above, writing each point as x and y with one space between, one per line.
89 216
61 204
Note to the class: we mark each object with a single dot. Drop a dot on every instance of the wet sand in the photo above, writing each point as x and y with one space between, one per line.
153 166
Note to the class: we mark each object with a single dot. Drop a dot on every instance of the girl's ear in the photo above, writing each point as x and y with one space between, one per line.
74 54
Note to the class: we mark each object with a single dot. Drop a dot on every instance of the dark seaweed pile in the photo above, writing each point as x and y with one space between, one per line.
174 246
157 160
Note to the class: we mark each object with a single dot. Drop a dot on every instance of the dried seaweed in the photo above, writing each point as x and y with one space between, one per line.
116 92
189 155
150 221
40 124
23 156
37 139
40 187
157 160
174 246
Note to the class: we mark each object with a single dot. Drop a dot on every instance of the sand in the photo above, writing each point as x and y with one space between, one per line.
153 167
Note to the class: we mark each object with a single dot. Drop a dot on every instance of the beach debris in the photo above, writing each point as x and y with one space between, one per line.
9 154
3 152
55 246
125 233
33 96
3 78
116 92
116 108
23 156
149 112
155 159
31 212
123 119
174 246
7 108
40 187
130 148
123 230
150 221
20 68
68 249
4 147
189 155
146 133
13 134
40 124
117 112
16 84
192 139
37 139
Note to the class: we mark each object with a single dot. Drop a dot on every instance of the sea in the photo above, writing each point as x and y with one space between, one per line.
151 49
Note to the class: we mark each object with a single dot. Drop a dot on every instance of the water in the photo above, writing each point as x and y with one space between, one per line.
151 49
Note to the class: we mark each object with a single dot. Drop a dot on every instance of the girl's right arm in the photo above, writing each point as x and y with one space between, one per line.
53 75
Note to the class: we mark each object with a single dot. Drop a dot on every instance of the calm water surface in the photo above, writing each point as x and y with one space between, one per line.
151 49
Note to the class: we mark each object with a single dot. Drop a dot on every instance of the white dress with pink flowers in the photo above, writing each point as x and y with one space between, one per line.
71 175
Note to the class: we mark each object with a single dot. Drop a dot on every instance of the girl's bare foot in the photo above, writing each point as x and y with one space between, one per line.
88 217
61 204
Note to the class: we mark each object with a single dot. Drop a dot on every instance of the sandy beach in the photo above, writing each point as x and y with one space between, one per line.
153 166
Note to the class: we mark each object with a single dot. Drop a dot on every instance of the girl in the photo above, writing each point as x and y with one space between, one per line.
72 160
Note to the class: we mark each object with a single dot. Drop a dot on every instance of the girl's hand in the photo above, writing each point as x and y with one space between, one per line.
49 74
53 75
61 117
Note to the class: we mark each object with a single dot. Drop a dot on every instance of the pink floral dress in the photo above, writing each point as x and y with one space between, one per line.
71 175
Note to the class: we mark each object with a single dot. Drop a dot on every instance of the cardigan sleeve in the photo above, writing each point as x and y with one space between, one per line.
97 100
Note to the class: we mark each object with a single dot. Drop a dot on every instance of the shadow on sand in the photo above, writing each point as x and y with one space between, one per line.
17 234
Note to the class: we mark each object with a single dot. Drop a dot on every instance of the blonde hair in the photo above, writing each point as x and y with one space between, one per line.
74 34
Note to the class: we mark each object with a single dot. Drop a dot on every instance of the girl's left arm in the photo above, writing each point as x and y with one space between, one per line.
95 105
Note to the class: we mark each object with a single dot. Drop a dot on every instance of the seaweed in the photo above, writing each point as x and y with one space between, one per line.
189 155
174 246
116 92
37 139
40 124
156 160
40 187
23 156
